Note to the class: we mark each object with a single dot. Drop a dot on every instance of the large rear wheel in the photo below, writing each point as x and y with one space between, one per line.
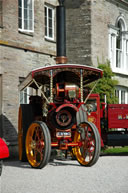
88 138
24 120
38 144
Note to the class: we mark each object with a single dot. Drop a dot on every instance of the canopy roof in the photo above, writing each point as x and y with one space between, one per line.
61 72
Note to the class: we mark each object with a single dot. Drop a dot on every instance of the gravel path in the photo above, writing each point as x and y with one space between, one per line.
108 175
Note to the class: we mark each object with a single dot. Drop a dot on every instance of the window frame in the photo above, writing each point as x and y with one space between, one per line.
25 96
22 29
46 26
116 54
122 92
127 54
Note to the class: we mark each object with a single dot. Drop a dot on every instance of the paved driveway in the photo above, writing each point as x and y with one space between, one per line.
108 175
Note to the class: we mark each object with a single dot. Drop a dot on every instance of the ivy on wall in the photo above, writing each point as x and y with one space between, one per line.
106 85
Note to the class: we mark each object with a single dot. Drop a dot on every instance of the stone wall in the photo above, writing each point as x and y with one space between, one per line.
78 24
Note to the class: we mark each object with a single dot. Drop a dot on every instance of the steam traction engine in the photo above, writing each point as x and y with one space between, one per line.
56 116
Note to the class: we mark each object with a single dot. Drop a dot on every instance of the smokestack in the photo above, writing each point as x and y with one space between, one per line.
61 34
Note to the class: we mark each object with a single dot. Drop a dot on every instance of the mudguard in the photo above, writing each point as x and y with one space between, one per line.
4 152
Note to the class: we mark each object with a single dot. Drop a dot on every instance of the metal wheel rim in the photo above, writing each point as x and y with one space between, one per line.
86 151
35 145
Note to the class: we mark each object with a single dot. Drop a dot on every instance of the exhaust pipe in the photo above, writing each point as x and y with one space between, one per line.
61 34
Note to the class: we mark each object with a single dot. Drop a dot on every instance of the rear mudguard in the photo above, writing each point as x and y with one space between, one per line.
4 152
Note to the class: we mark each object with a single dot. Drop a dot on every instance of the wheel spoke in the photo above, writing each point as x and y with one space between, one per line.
34 153
39 146
32 144
37 136
84 152
38 156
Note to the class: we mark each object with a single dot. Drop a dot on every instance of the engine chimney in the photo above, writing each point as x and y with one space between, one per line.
61 34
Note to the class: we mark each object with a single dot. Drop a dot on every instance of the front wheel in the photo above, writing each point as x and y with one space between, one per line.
88 150
38 144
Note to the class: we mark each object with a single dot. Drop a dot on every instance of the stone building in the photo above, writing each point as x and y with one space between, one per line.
96 30
27 41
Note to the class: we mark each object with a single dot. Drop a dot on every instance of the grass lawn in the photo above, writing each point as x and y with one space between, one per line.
116 150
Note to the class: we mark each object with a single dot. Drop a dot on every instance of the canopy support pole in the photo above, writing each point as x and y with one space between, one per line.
41 91
91 91
51 86
81 85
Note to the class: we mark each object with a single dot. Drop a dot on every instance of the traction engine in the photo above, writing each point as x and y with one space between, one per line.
56 116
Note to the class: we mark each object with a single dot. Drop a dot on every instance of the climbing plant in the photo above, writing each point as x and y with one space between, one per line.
106 85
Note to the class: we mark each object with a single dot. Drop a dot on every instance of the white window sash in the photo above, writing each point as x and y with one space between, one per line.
24 96
126 61
120 54
112 47
28 18
47 23
120 91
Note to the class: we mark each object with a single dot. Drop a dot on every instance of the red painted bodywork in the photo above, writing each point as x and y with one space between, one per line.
95 115
117 116
4 152
63 66
108 119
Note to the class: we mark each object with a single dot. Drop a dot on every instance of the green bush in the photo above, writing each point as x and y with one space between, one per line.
106 85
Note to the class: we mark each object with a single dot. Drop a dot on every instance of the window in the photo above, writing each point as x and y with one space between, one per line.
49 22
112 47
117 94
127 55
119 50
24 96
122 95
26 15
118 46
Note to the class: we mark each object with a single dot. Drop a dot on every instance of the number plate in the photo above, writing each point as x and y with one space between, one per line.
63 134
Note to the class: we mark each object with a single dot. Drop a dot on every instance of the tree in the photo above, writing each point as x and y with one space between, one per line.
106 85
